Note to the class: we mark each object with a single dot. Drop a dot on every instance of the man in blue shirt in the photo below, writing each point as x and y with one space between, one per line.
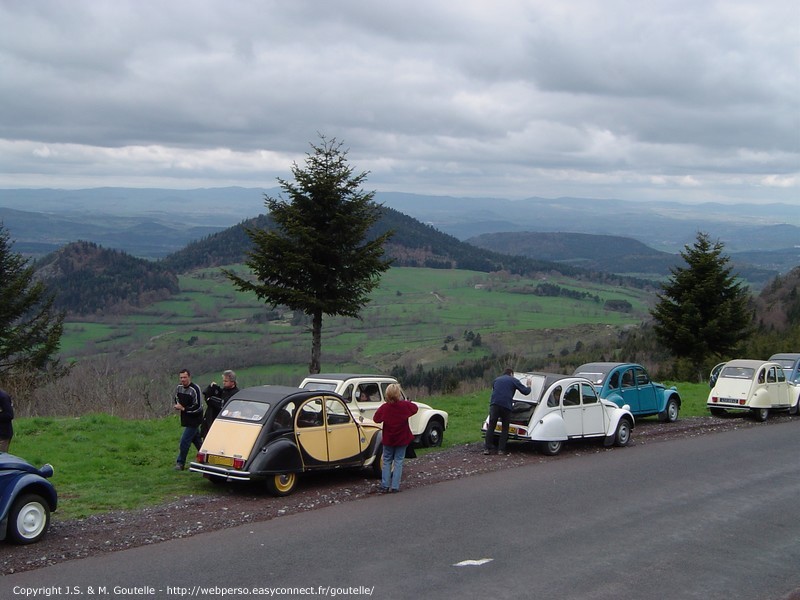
503 390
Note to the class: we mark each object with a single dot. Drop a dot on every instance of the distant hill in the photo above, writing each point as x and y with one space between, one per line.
413 245
615 254
88 279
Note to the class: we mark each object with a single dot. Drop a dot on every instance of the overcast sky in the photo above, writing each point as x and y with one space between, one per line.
687 100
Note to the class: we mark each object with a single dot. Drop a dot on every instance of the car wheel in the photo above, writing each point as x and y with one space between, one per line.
670 414
718 412
623 434
760 414
28 519
550 448
433 435
282 484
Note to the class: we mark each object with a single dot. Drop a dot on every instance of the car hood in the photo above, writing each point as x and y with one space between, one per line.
9 462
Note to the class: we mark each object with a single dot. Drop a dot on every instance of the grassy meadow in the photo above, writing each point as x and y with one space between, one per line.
415 317
104 463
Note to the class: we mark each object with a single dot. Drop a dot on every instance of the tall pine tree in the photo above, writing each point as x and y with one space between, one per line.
30 329
703 313
319 258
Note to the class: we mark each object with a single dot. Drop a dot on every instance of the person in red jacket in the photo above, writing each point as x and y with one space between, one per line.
394 415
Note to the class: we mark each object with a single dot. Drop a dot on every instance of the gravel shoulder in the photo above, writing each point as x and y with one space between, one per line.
233 505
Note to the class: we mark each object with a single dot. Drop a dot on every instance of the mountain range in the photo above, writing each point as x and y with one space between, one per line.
155 223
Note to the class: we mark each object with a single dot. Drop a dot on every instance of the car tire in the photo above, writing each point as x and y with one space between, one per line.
28 519
670 413
282 484
623 434
760 414
550 448
718 412
434 432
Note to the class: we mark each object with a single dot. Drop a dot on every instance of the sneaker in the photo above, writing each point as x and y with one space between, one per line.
395 491
178 467
383 490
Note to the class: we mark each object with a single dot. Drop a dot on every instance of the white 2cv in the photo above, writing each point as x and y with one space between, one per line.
365 393
561 408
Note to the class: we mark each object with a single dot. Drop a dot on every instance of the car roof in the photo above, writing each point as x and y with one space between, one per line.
344 376
786 356
601 367
747 362
268 394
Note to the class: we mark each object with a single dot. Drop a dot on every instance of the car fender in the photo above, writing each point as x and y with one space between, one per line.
614 418
760 399
549 428
615 398
279 456
27 483
419 421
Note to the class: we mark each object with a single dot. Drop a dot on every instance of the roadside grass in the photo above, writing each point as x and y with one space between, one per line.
104 463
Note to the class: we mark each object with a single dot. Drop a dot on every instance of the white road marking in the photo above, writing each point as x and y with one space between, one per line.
473 563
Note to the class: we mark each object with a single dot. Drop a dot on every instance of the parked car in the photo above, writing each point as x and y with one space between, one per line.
561 408
275 433
791 365
26 500
365 393
753 386
628 383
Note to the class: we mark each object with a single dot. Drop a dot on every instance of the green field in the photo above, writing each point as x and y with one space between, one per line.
415 317
105 463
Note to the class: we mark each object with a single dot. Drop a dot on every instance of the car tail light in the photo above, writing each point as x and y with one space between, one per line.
742 402
238 463
201 457
714 399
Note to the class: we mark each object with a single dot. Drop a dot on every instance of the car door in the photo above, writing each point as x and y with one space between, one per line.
571 410
310 432
777 387
628 389
344 436
646 391
369 398
593 415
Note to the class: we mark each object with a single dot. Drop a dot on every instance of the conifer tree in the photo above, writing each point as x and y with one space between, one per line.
30 329
319 258
703 313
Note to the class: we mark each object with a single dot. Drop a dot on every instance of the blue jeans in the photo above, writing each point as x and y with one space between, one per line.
392 466
190 435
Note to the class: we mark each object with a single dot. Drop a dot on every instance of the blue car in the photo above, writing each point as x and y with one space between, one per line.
628 383
791 365
26 500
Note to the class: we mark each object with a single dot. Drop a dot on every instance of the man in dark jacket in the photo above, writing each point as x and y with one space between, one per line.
216 397
187 401
6 416
500 408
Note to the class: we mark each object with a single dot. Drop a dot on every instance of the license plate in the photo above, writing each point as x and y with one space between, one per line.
729 400
224 461
511 430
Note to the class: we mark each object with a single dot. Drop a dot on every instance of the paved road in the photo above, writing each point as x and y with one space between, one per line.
716 516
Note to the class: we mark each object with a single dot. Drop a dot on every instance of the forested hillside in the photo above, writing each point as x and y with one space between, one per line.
87 279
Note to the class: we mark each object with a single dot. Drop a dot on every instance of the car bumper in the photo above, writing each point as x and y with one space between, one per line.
221 472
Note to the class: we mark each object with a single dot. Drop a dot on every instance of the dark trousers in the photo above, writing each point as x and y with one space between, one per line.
503 414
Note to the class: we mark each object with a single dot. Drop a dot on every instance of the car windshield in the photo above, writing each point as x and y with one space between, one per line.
324 386
244 410
737 372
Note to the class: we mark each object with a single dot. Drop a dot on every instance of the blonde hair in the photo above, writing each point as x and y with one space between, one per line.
394 392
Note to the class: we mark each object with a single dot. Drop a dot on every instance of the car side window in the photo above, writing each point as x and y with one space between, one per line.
627 378
771 376
589 394
310 414
613 383
284 417
641 376
335 412
781 376
347 394
368 392
555 397
572 397
761 376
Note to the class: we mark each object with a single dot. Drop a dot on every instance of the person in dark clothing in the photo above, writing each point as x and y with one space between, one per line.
500 404
187 401
216 397
6 416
